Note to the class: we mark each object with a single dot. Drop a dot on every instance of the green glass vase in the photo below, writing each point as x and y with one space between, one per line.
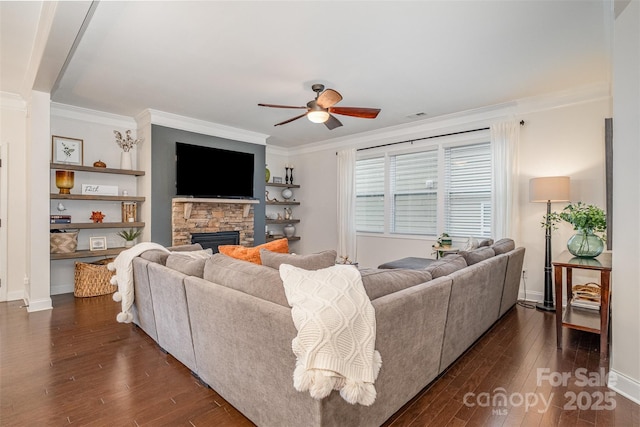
585 244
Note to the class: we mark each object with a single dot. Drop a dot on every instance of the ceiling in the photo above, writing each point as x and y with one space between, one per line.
216 60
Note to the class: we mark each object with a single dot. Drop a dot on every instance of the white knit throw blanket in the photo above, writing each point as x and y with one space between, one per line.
124 277
335 345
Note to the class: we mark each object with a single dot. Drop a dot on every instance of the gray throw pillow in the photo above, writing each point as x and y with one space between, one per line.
191 266
485 242
244 276
160 257
503 246
477 255
315 261
446 266
380 282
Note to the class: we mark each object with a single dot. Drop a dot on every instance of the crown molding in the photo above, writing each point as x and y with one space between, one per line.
12 101
175 121
92 116
462 120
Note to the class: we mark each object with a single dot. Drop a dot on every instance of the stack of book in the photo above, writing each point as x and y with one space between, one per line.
586 296
60 219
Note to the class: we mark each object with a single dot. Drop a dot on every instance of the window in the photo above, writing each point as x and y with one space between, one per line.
414 179
467 195
370 195
440 189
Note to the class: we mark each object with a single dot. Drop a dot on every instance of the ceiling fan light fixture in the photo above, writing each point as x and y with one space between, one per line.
318 116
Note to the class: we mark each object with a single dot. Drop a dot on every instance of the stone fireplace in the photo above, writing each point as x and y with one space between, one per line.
193 216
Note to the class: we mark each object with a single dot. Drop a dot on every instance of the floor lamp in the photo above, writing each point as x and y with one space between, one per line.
548 190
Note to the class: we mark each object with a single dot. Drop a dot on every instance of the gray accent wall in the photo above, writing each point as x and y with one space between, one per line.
163 177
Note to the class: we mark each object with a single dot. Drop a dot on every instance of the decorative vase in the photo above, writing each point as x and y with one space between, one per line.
585 244
125 160
287 194
64 181
129 243
267 174
289 230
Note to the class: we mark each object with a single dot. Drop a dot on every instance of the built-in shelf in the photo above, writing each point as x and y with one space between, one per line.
273 184
63 166
282 221
97 198
88 254
282 203
89 225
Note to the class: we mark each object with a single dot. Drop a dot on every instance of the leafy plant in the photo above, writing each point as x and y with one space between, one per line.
588 218
130 234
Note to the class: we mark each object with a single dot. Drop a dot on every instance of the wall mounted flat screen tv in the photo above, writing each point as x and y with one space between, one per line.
212 172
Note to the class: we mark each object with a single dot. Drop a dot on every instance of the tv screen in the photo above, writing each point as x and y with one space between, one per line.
212 172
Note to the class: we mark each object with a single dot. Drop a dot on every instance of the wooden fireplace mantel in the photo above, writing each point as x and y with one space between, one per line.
189 201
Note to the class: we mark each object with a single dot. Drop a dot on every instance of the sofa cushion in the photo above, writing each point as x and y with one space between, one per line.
380 282
477 255
189 263
503 246
315 261
446 266
244 276
253 254
160 257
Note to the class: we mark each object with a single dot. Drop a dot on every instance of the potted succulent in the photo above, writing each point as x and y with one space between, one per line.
590 223
129 236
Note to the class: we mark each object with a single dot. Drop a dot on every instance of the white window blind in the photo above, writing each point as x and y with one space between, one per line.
414 179
467 195
370 195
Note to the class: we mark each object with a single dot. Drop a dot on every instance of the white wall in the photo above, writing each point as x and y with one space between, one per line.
625 329
13 116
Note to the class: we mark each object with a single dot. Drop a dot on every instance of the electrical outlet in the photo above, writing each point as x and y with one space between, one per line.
26 280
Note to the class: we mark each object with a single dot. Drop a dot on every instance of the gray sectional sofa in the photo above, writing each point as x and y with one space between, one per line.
229 322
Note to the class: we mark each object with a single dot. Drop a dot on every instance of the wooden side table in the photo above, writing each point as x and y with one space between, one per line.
443 250
596 321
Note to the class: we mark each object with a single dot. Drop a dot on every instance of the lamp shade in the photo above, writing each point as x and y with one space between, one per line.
549 189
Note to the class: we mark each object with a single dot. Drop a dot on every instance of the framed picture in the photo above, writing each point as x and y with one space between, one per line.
66 150
277 180
97 243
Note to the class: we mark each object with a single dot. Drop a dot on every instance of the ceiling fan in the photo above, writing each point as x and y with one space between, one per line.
320 109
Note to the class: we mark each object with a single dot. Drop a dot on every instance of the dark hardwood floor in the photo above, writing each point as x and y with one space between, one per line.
77 365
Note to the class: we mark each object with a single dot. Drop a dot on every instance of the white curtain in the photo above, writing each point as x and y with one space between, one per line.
347 204
505 138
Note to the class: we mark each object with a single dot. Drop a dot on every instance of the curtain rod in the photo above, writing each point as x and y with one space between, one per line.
429 137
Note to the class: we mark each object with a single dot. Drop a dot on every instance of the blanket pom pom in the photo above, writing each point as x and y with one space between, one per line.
111 267
321 385
113 280
117 296
358 392
302 378
123 317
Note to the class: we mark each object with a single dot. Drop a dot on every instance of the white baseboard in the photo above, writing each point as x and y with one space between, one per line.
61 289
15 295
532 296
39 305
626 386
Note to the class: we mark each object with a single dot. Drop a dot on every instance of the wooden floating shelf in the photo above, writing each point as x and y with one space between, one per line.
97 198
94 225
282 203
282 221
88 254
63 166
280 236
273 184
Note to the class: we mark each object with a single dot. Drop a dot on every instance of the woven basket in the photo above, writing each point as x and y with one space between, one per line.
92 279
63 243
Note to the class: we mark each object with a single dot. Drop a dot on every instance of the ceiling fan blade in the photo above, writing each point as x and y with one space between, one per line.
328 98
332 123
290 120
363 113
279 106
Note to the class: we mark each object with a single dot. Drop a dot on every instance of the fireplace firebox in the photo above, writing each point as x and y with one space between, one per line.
213 240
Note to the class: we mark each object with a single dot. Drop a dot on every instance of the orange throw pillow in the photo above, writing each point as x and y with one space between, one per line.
253 254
